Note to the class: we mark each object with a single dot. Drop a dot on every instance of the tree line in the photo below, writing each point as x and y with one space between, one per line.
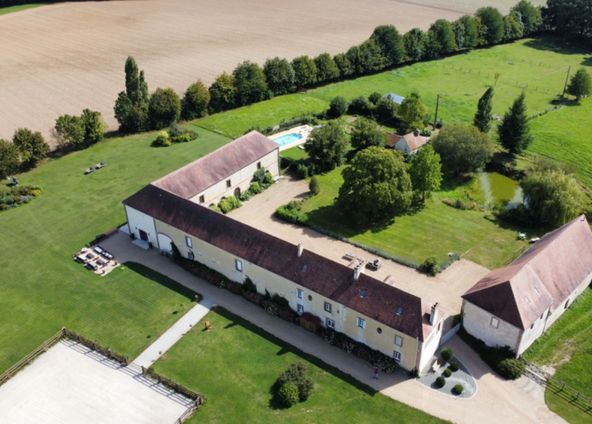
249 83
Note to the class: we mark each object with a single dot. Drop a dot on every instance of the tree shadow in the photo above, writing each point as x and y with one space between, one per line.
288 348
559 45
162 280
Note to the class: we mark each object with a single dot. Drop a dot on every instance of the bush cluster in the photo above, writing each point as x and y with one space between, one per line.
446 354
430 266
292 212
15 196
293 385
174 134
440 382
458 389
229 203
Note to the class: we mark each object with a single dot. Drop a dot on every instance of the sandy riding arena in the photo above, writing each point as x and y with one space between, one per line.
65 57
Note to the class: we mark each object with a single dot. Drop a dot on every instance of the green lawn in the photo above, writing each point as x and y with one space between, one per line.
241 392
43 289
537 66
294 153
564 135
18 8
434 231
567 347
236 122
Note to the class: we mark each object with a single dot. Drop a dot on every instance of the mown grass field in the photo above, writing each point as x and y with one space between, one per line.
43 289
241 392
567 347
435 230
564 135
537 66
11 9
261 115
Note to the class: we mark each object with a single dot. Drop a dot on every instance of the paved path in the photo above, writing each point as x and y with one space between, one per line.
446 288
496 400
173 334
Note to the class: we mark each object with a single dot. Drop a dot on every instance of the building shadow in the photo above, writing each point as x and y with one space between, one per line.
161 279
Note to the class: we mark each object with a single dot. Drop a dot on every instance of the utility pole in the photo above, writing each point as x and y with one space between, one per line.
566 80
437 105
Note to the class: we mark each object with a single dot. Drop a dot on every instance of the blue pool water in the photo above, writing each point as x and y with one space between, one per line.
288 139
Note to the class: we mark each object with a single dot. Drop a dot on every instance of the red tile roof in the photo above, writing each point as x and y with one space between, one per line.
413 141
317 273
217 166
545 275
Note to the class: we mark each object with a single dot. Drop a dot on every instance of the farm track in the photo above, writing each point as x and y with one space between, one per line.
65 57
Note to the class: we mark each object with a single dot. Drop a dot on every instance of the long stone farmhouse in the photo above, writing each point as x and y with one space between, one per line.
370 311
514 305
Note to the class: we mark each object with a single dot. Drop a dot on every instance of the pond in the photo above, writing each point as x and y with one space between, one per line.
500 189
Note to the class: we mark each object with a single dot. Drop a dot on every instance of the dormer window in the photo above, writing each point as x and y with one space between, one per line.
399 311
363 293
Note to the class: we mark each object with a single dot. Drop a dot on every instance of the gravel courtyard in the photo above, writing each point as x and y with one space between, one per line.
70 384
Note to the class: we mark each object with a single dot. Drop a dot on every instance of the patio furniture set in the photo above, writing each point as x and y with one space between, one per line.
96 259
356 261
92 169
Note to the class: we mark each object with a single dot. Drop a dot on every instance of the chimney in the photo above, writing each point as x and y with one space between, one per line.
357 272
434 314
416 132
300 249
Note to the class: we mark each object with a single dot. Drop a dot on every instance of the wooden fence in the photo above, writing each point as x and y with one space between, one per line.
560 388
10 372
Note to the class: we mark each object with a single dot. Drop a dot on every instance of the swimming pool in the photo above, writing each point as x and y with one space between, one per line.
287 139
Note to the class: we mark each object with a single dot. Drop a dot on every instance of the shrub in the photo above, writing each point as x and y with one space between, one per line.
292 213
302 171
314 186
374 97
430 266
458 389
263 177
447 373
360 106
446 354
162 140
228 204
511 368
296 375
337 108
288 394
454 366
255 187
440 382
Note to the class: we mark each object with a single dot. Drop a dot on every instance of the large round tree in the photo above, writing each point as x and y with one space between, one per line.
164 108
326 146
376 186
552 197
462 148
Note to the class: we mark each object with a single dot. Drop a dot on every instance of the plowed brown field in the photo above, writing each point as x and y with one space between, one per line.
65 57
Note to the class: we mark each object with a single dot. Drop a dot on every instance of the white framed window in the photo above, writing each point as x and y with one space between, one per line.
299 308
202 199
327 306
228 183
188 241
399 341
238 265
361 322
300 293
258 165
190 255
397 356
494 322
329 323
